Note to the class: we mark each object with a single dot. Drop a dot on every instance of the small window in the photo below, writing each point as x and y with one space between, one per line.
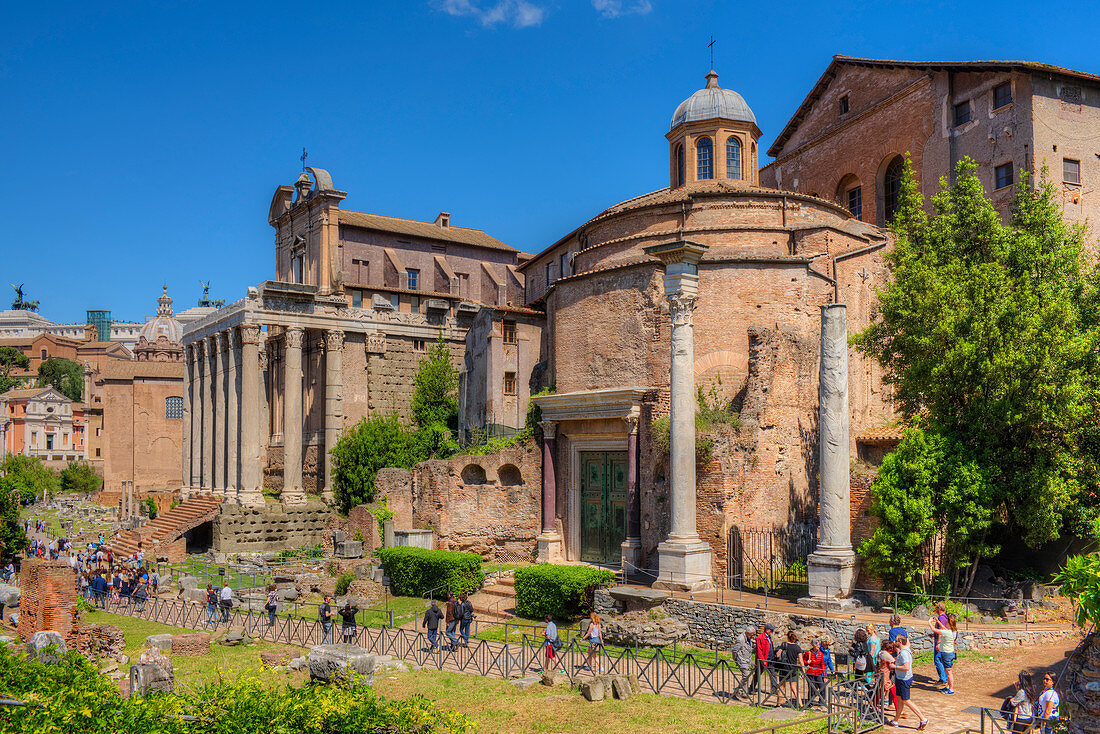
296 269
855 202
43 354
419 345
1071 171
97 453
563 264
679 165
1070 94
549 274
395 301
414 280
733 158
509 383
357 298
1002 95
414 304
173 407
1002 176
99 431
704 159
844 105
891 187
509 332
49 441
962 113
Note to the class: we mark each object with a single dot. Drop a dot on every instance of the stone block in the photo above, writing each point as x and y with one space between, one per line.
592 690
40 642
633 681
620 687
349 549
9 595
332 662
159 642
523 683
193 596
190 582
146 677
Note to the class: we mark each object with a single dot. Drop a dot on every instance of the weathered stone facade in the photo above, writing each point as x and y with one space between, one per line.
275 527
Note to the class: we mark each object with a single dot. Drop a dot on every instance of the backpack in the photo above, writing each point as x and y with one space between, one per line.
211 597
467 613
860 654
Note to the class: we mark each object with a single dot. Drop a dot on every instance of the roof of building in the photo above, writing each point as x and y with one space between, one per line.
830 73
890 433
710 102
427 230
27 341
25 393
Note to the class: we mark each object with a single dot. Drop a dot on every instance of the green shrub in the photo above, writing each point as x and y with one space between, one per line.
416 571
79 476
561 591
343 582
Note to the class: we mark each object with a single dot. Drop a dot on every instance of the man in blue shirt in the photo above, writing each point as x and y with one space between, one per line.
551 637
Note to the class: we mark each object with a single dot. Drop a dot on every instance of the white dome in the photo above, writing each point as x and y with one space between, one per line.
162 324
712 102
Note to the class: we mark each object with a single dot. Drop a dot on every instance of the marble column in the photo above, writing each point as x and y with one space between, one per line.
185 468
250 492
550 546
233 432
193 478
206 361
334 403
292 494
832 567
632 546
684 560
221 349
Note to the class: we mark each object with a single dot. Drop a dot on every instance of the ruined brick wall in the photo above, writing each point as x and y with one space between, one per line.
47 598
273 528
490 505
191 644
360 521
863 524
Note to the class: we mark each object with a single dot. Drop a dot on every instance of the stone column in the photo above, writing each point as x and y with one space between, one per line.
684 560
185 468
334 403
221 348
250 492
232 431
550 539
207 362
632 546
194 477
292 494
832 567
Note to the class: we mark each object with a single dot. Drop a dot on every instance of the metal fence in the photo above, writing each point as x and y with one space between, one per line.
770 558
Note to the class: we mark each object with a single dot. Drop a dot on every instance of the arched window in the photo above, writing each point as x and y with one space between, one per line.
679 165
891 188
733 158
704 159
173 408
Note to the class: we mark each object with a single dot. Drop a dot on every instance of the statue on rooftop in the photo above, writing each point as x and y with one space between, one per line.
19 304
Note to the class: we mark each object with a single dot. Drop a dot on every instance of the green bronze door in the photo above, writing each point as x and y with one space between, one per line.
603 505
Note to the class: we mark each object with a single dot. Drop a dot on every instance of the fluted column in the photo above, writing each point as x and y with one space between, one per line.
292 494
549 541
232 432
334 403
219 342
193 477
185 440
206 360
250 493
632 546
684 561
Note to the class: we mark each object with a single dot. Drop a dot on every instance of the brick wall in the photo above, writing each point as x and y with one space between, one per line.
47 598
191 644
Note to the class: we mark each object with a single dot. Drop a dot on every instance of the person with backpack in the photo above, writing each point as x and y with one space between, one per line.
326 613
432 617
272 604
860 653
141 593
789 664
347 617
1020 708
465 618
225 601
553 642
211 604
452 621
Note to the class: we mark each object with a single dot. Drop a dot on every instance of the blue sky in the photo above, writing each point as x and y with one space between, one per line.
142 141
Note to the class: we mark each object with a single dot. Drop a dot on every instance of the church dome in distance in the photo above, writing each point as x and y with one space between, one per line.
160 338
712 102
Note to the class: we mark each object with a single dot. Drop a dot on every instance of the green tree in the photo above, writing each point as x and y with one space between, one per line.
79 476
989 334
13 538
64 375
30 476
374 443
10 358
435 389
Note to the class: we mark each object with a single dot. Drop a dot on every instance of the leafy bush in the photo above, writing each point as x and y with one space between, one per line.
13 538
150 507
79 476
72 697
416 571
1080 580
561 591
343 582
373 443
30 476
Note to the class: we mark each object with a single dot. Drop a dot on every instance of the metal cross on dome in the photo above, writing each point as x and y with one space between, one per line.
711 47
303 159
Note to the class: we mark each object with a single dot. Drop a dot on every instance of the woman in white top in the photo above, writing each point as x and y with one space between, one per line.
1049 701
1022 710
595 640
947 636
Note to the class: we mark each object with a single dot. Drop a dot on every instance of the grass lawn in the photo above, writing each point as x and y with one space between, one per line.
405 609
499 707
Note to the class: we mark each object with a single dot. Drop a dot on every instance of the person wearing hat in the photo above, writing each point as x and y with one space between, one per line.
763 650
742 656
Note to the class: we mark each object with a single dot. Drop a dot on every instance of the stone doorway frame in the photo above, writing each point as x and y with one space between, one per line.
582 443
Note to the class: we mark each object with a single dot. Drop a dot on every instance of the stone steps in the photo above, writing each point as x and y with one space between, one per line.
165 527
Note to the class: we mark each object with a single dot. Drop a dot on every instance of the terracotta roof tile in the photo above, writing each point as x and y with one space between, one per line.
428 230
890 433
24 393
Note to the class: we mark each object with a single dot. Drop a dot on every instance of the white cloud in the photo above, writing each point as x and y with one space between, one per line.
517 13
616 8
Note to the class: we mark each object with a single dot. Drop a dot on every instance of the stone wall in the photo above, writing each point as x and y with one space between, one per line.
273 528
711 624
490 505
47 598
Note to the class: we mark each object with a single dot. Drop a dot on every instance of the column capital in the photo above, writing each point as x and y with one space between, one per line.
631 423
334 339
295 335
200 349
225 340
549 429
212 345
250 333
680 308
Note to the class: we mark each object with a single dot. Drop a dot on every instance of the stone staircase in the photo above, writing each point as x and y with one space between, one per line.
497 600
168 527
